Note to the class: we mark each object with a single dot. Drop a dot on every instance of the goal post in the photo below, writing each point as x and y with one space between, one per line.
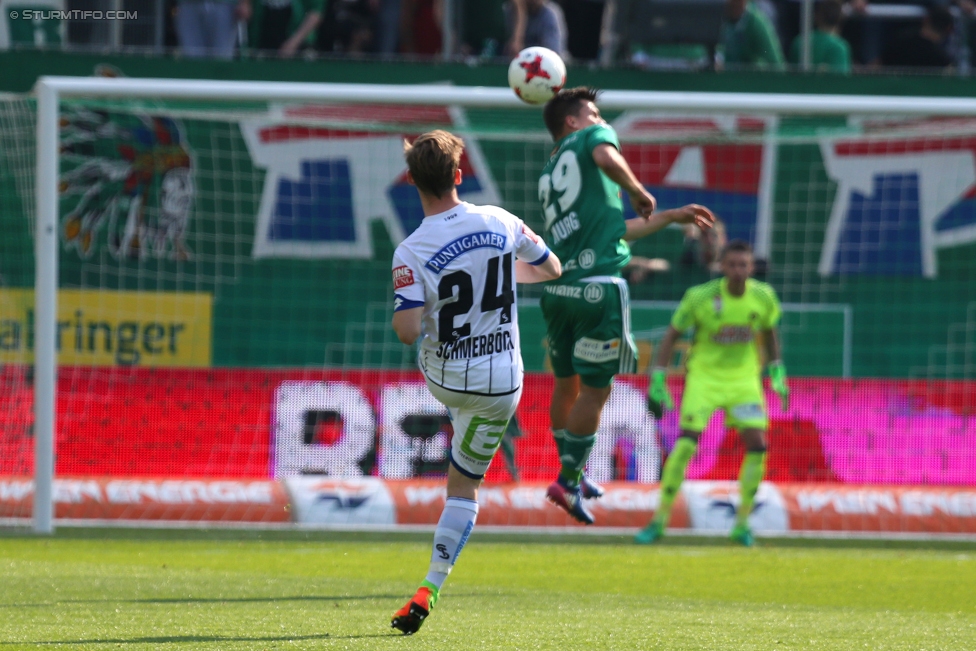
777 208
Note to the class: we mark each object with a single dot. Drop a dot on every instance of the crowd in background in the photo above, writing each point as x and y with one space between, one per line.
846 34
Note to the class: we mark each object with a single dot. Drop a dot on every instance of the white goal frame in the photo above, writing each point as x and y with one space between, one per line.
50 90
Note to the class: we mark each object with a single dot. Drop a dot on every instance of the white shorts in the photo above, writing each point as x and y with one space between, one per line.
479 424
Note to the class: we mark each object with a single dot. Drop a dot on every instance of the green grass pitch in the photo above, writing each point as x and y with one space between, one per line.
181 590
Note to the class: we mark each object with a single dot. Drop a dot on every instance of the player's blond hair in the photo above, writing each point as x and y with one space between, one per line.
433 160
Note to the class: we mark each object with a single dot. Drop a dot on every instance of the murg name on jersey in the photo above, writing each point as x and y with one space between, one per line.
734 335
455 248
564 228
470 347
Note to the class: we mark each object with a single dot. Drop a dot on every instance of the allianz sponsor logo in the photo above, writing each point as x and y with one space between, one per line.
565 290
456 248
471 347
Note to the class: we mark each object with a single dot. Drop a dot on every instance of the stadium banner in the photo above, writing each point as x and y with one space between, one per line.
281 423
113 328
706 507
176 500
625 504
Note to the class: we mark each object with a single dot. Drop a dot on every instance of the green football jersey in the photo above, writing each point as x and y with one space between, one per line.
726 328
584 217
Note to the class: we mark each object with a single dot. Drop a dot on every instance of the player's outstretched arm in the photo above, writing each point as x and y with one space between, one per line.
777 370
614 165
406 324
691 214
549 269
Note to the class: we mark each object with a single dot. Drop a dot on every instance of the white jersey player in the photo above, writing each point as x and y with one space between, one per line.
453 284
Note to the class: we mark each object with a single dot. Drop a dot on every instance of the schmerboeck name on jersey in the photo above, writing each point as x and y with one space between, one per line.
455 248
471 347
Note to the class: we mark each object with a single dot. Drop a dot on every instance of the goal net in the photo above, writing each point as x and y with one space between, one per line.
222 254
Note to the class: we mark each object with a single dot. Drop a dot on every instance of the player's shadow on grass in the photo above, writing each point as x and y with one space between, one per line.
181 639
217 600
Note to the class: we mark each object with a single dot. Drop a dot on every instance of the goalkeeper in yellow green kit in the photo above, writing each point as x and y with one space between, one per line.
724 372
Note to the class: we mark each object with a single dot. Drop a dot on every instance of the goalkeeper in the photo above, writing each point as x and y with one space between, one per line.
724 372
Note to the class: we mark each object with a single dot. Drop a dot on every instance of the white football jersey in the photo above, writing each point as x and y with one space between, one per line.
459 266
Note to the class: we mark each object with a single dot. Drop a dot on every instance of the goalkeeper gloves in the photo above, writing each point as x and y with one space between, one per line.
658 398
777 378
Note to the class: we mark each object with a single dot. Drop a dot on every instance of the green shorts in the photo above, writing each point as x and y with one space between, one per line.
742 401
588 327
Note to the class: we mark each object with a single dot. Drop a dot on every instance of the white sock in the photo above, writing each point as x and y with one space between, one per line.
454 527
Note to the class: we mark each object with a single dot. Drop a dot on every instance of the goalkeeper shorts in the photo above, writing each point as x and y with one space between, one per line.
741 400
479 425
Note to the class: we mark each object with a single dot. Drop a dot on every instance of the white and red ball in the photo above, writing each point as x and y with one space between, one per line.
536 74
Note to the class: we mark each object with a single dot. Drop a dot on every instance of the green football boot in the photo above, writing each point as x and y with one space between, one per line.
742 534
650 534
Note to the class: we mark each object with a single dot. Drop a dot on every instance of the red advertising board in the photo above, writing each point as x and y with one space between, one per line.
181 500
125 422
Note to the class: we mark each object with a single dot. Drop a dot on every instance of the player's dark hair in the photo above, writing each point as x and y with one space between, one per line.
567 102
433 160
736 246
829 13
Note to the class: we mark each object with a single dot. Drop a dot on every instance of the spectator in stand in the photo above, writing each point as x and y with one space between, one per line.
208 28
349 26
828 51
924 47
545 25
420 26
748 37
388 26
484 28
584 22
285 26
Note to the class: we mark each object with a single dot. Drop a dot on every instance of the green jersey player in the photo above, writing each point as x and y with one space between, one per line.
587 310
724 372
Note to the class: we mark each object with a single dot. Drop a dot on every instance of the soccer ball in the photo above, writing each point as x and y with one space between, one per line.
536 75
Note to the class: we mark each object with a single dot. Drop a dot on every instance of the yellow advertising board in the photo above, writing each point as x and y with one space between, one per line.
110 328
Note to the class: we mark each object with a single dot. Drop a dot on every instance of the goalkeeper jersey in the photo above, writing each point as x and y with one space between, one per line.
726 328
459 266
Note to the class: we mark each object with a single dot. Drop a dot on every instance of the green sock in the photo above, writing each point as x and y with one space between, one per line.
559 435
672 476
751 473
434 590
575 452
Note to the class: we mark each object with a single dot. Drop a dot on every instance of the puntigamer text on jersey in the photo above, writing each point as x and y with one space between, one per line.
462 245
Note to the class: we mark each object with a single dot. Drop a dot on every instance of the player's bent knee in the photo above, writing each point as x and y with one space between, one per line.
689 434
601 382
461 485
753 439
